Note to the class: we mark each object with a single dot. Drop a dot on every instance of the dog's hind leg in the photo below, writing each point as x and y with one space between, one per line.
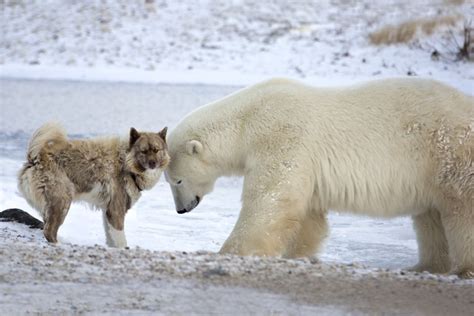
59 197
114 220
54 217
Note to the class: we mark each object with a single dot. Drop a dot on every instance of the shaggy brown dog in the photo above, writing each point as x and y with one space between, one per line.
108 173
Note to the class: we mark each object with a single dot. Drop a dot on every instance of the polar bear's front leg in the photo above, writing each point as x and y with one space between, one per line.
274 206
314 228
257 236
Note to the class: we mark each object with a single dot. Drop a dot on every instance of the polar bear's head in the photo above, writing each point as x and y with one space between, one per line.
190 174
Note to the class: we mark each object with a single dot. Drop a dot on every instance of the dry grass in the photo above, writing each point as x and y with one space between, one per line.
407 31
453 48
455 2
466 50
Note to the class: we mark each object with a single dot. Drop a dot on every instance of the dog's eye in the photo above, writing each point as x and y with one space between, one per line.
155 150
179 182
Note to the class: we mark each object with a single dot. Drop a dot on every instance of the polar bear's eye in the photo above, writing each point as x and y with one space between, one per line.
179 182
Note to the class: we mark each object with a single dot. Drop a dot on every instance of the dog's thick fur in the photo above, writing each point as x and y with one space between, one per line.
393 147
108 173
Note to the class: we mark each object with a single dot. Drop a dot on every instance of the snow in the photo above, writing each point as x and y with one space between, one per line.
173 293
73 279
117 64
225 42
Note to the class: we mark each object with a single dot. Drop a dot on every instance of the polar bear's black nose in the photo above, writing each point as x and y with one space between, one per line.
190 206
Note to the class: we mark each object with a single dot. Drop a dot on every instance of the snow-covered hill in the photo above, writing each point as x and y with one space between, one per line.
231 42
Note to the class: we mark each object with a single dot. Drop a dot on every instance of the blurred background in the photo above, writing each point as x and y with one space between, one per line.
100 67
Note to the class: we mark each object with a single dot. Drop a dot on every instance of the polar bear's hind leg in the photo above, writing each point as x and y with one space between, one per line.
432 243
459 230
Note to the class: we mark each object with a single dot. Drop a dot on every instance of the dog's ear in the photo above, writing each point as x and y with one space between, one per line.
162 133
134 136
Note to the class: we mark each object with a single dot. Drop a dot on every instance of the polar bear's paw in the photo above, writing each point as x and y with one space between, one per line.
465 273
430 268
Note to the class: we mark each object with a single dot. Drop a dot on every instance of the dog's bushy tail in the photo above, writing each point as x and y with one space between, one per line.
49 133
20 216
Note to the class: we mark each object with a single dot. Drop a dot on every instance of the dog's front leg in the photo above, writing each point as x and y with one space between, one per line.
114 218
115 237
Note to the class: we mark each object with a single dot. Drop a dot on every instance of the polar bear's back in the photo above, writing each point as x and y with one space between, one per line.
289 103
382 98
400 106
380 136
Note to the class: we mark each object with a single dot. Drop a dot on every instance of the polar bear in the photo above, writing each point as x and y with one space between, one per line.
386 148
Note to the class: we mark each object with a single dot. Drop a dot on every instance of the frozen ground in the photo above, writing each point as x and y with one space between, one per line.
112 108
69 279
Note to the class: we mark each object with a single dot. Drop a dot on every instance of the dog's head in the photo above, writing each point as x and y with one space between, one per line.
147 151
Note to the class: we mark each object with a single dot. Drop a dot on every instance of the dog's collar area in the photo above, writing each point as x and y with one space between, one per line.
134 178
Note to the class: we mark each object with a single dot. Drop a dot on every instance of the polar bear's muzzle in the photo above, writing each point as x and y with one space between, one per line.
189 207
185 199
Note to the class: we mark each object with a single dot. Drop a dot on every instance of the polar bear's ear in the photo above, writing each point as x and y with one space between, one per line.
193 147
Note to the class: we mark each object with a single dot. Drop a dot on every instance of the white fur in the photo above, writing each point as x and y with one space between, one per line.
43 135
34 199
93 198
386 148
151 177
114 238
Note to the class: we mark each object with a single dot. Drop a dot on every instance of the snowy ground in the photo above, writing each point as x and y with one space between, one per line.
36 278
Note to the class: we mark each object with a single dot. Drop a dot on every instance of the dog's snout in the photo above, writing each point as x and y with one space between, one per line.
152 164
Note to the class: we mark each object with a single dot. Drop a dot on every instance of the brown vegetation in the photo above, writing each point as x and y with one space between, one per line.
466 51
406 31
455 2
